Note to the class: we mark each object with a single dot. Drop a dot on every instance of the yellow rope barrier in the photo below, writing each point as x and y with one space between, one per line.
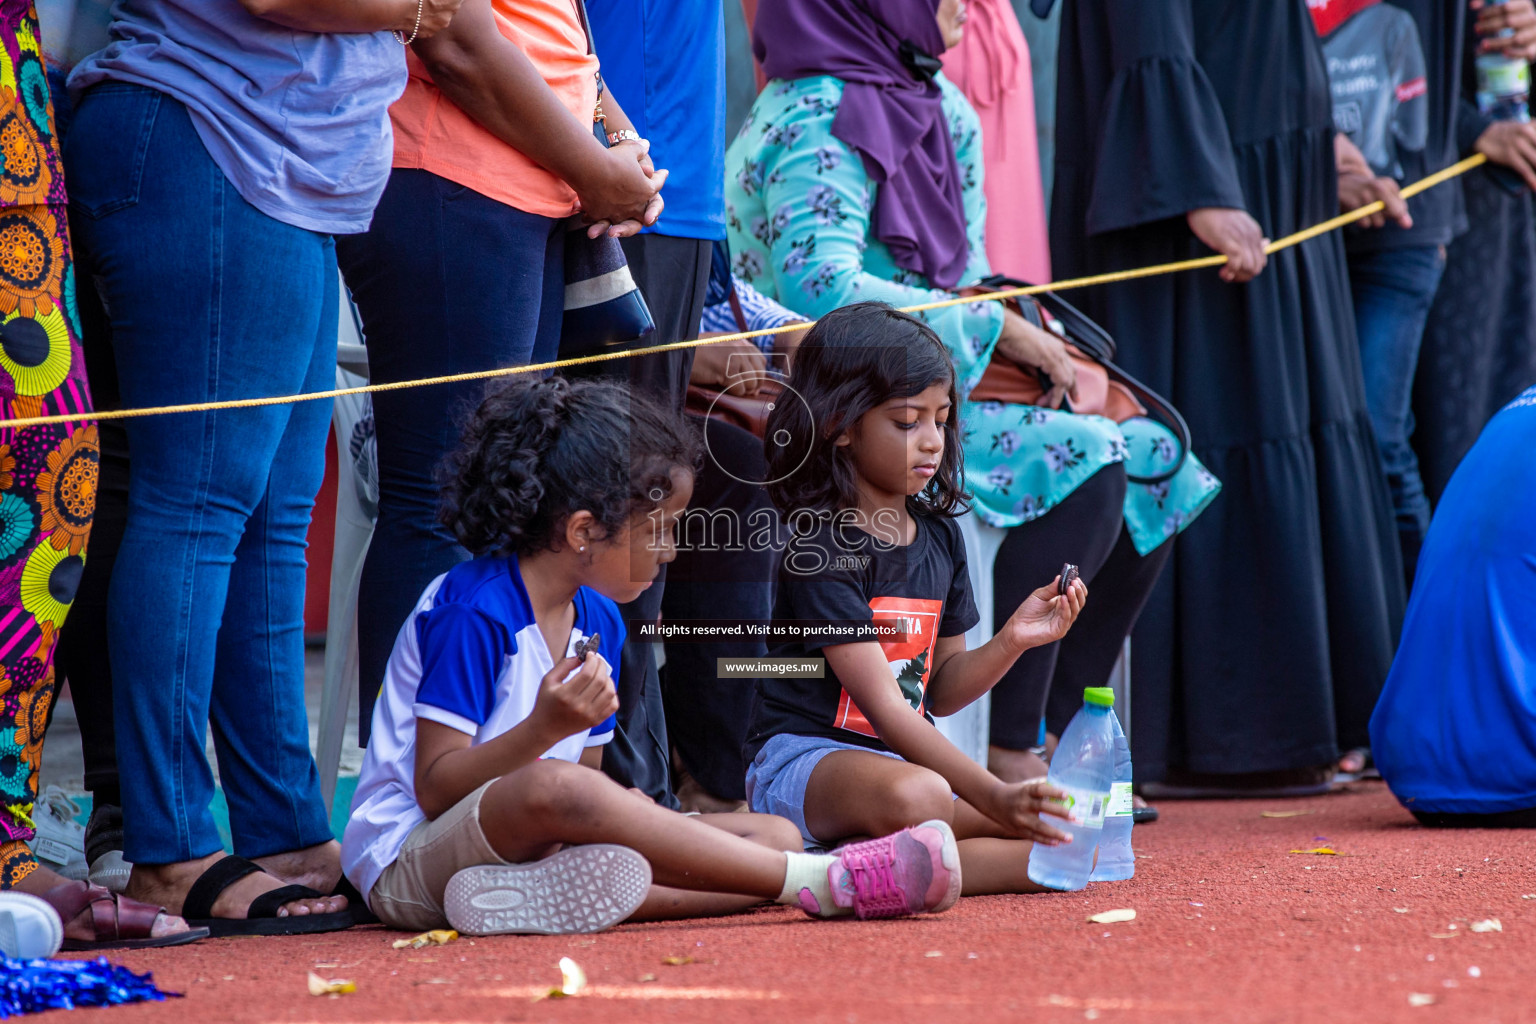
1287 242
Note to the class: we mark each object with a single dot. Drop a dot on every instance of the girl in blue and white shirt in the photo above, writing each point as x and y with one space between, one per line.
480 804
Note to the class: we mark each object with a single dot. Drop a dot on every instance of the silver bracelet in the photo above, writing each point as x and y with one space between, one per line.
624 135
399 37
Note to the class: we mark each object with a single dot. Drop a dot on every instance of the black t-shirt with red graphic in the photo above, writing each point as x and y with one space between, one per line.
839 573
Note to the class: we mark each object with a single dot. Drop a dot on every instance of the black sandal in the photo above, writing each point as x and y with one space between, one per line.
261 917
356 905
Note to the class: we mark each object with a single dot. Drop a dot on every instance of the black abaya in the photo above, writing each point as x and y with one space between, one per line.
1267 641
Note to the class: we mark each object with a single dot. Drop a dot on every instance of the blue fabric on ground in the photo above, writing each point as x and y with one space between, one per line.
1455 729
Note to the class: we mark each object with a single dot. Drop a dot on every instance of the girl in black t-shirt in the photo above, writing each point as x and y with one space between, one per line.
865 467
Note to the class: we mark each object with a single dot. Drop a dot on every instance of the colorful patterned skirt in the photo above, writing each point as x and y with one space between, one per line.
47 473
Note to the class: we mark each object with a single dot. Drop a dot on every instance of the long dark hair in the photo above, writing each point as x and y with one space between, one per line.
537 451
853 360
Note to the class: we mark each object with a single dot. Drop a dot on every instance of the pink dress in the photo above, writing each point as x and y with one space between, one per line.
991 66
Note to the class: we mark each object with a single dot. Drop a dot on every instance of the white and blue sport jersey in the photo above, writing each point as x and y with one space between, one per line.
470 657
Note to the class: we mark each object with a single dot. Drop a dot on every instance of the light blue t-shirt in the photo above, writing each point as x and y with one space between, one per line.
298 121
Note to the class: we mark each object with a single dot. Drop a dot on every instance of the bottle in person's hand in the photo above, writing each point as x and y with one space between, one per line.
1083 766
1116 860
1504 84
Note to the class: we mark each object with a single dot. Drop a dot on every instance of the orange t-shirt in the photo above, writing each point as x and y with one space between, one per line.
433 134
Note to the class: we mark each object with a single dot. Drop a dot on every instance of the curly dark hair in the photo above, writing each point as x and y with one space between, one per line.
853 360
537 451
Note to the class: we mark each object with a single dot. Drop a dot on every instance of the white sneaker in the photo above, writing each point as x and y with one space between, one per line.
580 889
60 842
30 929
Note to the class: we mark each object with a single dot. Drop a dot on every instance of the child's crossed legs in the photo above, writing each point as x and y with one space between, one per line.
559 847
703 864
853 793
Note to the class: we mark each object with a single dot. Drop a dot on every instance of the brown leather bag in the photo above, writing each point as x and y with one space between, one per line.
1097 395
1103 389
732 404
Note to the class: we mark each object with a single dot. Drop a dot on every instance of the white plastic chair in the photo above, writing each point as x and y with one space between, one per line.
1120 682
357 507
970 728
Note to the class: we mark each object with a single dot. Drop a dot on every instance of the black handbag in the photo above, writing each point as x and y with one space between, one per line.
604 310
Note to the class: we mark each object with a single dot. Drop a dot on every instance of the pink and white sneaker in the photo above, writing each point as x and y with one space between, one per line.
914 871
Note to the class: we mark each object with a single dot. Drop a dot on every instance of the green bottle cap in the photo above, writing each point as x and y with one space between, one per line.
1103 696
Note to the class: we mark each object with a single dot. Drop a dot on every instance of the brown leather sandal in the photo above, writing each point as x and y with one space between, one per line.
118 922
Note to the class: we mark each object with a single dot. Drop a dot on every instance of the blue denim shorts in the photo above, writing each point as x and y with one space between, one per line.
777 777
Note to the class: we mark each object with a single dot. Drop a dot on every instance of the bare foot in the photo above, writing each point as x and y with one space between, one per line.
693 797
167 885
82 926
1015 765
1353 761
318 866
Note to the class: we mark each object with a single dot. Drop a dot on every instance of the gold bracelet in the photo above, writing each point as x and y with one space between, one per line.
399 37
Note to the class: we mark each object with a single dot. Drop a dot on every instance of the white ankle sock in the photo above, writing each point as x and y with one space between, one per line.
808 871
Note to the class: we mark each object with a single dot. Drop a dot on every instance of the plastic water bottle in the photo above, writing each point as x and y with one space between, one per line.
1116 861
1504 84
1083 766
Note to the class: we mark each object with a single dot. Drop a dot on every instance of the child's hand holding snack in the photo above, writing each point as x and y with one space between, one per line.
1046 615
564 706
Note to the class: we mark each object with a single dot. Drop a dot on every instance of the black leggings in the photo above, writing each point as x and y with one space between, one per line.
1088 530
81 656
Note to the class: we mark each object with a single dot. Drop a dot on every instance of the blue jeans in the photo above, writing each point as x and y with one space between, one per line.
1393 289
207 298
447 281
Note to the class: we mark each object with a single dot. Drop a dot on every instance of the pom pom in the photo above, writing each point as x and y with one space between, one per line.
32 986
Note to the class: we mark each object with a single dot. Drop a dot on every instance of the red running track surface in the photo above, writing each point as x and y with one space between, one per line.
1230 926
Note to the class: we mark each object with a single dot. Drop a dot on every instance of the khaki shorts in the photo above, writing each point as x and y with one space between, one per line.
409 894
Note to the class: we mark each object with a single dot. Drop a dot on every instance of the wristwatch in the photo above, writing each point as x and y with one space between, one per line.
624 135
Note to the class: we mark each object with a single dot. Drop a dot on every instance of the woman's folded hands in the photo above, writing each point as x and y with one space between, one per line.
623 192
